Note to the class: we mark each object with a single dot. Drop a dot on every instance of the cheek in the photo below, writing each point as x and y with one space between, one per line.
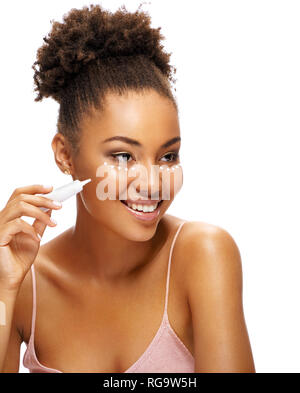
172 182
107 183
101 190
177 180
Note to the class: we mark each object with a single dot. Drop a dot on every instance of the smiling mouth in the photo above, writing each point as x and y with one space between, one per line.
142 208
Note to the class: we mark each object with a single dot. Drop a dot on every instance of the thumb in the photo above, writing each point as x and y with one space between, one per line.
39 225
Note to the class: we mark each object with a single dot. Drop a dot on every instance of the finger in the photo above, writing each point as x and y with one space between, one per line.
39 201
40 226
31 189
11 228
21 208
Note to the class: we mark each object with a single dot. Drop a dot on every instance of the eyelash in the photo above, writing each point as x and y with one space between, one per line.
175 154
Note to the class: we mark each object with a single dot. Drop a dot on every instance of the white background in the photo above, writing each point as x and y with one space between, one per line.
238 89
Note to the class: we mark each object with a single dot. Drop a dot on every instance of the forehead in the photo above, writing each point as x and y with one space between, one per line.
134 114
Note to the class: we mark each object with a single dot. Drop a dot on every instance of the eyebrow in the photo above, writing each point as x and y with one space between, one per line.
137 143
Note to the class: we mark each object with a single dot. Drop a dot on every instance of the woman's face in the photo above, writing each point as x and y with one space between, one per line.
123 169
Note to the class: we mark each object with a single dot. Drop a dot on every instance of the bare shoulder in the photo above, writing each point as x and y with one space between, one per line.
207 268
198 235
201 239
208 251
213 280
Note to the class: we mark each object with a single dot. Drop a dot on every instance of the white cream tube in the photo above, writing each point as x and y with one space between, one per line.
65 192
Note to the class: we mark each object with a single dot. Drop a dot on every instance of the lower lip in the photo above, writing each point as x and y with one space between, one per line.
143 216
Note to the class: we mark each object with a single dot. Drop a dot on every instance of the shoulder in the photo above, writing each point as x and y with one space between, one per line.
201 240
204 236
210 256
213 281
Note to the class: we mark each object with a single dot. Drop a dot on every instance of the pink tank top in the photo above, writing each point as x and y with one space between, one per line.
166 353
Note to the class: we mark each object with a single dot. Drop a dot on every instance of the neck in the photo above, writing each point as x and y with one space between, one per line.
107 256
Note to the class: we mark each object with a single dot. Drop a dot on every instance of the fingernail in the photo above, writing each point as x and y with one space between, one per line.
47 186
57 203
52 219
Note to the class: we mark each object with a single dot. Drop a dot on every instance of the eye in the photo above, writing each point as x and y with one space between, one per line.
119 156
175 156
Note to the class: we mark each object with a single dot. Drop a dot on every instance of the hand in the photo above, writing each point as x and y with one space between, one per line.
19 241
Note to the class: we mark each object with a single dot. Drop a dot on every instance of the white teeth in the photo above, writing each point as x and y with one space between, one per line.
145 208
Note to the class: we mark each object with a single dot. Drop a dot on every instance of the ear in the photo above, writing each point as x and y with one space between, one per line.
62 153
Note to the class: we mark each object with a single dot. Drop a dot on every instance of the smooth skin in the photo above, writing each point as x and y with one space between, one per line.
101 283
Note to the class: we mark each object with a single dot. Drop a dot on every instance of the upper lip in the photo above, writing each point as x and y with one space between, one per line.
143 202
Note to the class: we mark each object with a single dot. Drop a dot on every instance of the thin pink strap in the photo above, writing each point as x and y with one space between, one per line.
33 302
169 266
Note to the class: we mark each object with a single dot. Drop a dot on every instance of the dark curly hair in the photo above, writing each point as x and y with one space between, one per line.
94 52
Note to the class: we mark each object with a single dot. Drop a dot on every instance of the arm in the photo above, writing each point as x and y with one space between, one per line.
214 271
19 245
10 339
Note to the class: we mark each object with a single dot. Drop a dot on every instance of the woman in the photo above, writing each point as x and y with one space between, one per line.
117 292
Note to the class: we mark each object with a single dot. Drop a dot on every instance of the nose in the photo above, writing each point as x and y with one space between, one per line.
149 181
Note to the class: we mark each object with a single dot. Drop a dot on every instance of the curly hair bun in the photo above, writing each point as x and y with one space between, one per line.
91 34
